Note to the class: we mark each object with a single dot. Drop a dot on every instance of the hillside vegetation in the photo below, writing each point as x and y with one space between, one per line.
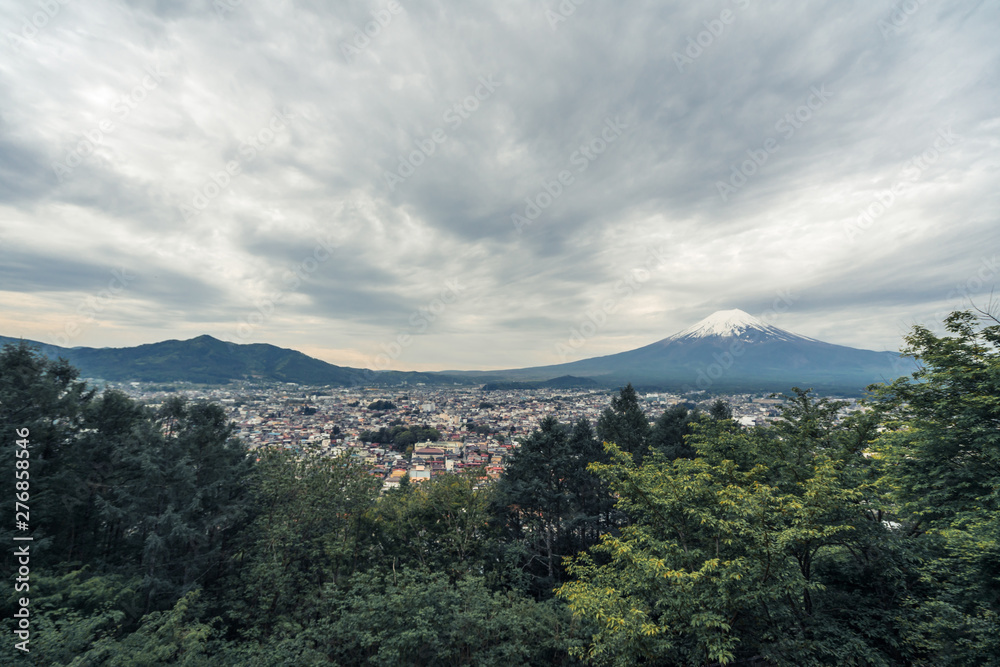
873 540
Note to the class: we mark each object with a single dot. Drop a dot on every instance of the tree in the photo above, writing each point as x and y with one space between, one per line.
942 456
132 509
749 552
721 409
440 525
45 401
548 503
625 424
415 617
671 427
311 528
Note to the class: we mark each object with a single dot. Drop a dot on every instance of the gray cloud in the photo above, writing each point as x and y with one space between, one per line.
216 204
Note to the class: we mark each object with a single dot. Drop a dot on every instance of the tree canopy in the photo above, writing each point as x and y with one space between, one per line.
869 537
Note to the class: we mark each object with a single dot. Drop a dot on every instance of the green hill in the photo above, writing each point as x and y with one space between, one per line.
208 360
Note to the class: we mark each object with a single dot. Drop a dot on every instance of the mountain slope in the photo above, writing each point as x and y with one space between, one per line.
727 351
208 360
731 351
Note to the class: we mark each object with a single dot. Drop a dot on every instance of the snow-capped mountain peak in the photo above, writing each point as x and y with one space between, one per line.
735 323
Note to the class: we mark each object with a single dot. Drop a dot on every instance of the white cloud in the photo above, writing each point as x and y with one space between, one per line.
189 93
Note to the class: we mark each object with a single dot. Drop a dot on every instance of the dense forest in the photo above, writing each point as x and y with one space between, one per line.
870 540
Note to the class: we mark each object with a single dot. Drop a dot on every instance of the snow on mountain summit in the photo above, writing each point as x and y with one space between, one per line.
735 323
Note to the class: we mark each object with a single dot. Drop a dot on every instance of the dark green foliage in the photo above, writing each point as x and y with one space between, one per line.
381 404
667 434
819 540
548 504
401 436
416 617
943 454
208 360
563 382
440 525
625 424
311 528
721 410
753 550
130 509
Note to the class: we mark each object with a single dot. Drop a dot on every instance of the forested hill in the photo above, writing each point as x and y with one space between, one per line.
208 360
158 539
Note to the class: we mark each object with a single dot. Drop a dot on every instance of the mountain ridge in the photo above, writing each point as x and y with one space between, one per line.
208 360
729 350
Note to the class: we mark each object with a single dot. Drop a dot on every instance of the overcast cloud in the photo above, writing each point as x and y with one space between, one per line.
172 169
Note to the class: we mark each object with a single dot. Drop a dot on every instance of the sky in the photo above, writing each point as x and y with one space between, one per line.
495 184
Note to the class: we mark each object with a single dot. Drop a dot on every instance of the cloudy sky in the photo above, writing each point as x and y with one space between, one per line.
458 185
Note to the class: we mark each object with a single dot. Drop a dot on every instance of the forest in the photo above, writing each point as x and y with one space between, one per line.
158 539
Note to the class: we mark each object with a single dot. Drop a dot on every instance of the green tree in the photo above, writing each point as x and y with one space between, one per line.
625 424
45 400
311 528
667 434
942 456
548 503
747 552
415 617
721 409
130 510
439 525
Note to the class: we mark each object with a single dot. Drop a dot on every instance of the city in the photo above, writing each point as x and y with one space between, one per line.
477 429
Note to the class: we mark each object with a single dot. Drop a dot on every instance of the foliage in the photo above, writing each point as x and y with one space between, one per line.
942 455
401 436
670 429
730 556
721 409
625 424
869 539
311 528
440 525
548 504
417 617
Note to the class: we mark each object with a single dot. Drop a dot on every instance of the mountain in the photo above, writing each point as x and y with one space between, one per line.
728 351
211 361
732 351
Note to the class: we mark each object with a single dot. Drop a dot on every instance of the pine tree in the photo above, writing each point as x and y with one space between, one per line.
625 424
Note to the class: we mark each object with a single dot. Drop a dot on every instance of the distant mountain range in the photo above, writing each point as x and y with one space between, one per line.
207 360
729 351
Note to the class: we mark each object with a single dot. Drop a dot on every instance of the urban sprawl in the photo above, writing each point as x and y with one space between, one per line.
473 428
